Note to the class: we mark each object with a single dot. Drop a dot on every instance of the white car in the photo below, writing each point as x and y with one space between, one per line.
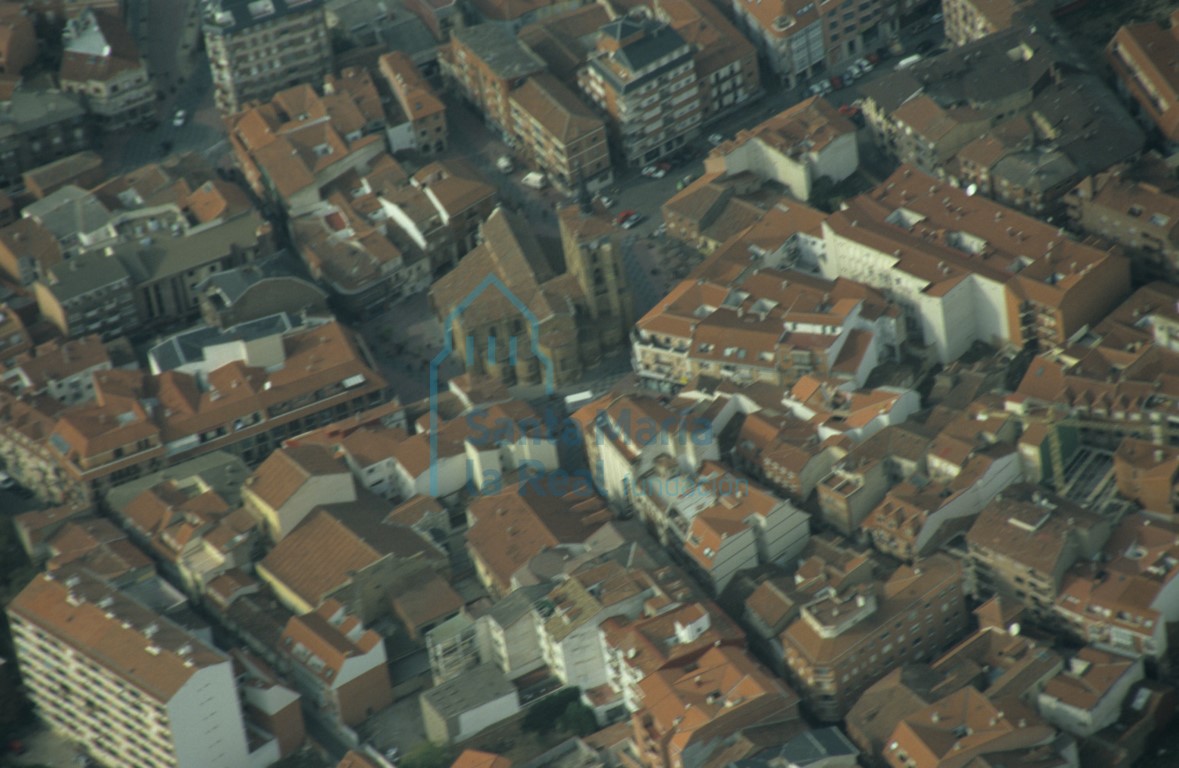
606 201
654 172
6 482
632 221
864 65
716 139
180 118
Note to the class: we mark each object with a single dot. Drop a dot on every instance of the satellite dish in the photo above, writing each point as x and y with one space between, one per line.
971 190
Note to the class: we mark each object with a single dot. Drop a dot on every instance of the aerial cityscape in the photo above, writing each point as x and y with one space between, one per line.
589 383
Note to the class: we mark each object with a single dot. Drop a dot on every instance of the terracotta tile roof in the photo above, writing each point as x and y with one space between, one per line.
116 636
413 93
472 758
904 589
723 684
556 109
330 635
355 759
286 470
320 555
964 726
1032 531
59 360
424 598
511 527
808 127
121 53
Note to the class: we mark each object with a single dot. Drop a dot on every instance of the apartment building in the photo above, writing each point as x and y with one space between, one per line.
1024 541
62 370
1089 695
425 111
568 619
1128 602
627 435
129 685
764 325
131 287
374 558
1023 134
845 640
15 339
721 523
795 148
1141 56
725 61
966 726
969 20
803 39
668 637
18 40
509 528
696 709
338 664
293 146
1135 214
950 260
643 76
259 48
291 482
38 126
559 134
102 64
487 62
308 377
363 268
1148 475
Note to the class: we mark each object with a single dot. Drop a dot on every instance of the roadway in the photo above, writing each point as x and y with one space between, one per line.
168 33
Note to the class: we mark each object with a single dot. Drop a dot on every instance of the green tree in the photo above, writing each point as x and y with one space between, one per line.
542 716
577 719
427 754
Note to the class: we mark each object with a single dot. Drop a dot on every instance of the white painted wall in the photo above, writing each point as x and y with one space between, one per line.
486 715
206 719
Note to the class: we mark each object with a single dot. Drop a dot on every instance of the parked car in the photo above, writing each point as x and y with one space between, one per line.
6 482
925 46
632 221
936 18
654 172
837 83
622 217
864 64
664 166
849 110
875 57
606 201
179 118
716 139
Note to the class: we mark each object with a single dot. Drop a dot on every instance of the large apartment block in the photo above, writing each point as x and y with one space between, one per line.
643 76
803 39
133 687
844 641
259 48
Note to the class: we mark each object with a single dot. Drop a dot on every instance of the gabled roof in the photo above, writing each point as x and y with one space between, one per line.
320 555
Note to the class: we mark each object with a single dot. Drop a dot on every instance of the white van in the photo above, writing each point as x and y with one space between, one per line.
909 61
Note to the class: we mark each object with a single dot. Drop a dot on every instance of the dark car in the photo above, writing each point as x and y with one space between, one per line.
925 46
837 82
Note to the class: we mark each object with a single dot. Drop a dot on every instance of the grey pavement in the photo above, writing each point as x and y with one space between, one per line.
398 726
